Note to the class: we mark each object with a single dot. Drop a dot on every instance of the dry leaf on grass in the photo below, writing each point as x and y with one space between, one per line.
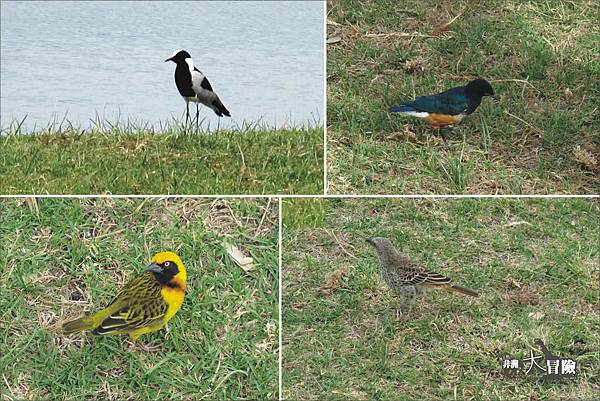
243 261
586 158
517 223
412 66
406 135
33 205
333 282
539 315
522 298
333 39
445 26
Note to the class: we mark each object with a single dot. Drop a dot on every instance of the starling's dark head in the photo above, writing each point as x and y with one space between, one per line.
179 56
479 88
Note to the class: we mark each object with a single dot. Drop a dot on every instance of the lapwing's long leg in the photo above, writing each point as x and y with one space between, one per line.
187 114
197 113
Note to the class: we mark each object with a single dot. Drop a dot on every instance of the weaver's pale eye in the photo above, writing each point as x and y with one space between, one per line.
167 264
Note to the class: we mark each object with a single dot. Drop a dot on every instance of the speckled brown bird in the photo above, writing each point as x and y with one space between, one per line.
407 277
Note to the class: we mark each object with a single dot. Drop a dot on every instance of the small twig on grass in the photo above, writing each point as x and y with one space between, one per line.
398 34
446 25
262 219
517 223
142 203
33 205
217 369
340 244
523 81
108 234
533 127
7 384
232 214
243 167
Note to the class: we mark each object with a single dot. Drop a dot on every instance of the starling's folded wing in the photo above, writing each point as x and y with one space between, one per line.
452 102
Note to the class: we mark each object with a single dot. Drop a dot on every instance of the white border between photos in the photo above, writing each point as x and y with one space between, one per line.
324 195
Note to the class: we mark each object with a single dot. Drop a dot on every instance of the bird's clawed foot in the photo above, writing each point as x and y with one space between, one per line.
445 139
402 315
404 311
150 348
137 345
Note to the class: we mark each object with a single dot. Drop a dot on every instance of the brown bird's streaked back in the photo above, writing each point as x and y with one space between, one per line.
400 272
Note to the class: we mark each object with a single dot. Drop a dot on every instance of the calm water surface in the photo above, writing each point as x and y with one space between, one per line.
264 60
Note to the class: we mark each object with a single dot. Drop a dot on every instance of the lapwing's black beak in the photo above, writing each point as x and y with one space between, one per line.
169 59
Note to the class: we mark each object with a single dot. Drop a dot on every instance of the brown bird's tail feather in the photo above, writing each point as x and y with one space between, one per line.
463 290
77 325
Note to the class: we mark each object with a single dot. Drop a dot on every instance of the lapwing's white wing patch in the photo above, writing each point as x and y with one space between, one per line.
202 88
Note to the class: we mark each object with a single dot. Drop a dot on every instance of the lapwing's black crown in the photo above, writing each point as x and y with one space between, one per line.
180 56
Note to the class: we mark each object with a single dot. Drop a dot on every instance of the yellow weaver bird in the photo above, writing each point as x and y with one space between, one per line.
144 305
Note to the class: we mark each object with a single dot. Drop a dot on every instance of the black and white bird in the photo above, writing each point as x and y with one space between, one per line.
193 85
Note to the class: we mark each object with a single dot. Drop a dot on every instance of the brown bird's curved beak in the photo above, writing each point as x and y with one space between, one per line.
369 241
155 268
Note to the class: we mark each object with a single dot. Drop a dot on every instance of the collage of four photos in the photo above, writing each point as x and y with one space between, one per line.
299 200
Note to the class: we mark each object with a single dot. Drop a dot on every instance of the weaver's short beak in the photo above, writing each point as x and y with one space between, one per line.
155 268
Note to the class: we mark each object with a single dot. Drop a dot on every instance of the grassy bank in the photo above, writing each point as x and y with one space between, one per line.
542 136
60 258
124 161
534 262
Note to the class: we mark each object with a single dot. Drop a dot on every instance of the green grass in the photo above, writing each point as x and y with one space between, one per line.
68 257
534 262
118 160
304 213
541 137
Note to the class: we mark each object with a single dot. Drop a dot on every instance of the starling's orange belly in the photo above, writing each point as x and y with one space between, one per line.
441 120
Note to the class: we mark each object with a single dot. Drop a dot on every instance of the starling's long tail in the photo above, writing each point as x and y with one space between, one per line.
463 290
401 108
